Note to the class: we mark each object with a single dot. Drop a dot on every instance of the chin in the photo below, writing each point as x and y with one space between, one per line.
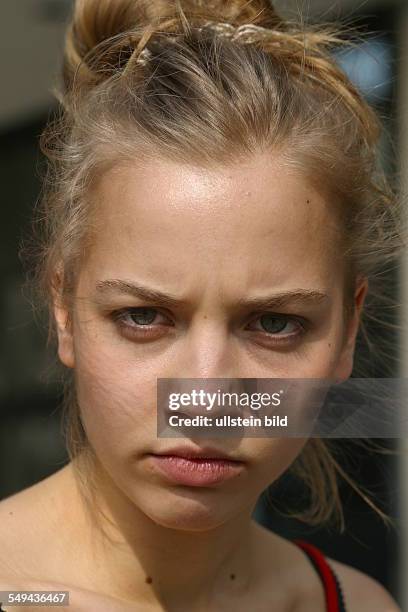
186 508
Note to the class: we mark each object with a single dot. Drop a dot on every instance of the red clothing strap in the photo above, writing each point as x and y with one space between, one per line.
326 575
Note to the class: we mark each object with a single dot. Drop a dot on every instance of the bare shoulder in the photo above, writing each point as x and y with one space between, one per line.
23 549
361 592
16 526
26 520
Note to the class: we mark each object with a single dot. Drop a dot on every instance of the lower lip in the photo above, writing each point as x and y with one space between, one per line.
196 472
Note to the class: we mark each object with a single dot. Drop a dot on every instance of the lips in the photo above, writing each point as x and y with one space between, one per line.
191 452
196 467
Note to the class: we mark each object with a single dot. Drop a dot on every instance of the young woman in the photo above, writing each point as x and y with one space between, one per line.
213 208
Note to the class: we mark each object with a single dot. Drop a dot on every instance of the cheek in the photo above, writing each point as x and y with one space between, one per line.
322 356
117 400
273 457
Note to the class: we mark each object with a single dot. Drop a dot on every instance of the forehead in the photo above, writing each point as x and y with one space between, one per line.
259 214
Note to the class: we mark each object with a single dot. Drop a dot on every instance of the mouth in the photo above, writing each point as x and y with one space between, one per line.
196 467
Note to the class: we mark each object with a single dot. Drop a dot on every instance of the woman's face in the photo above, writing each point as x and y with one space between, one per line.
197 245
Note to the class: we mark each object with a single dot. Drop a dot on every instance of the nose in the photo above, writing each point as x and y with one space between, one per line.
208 350
208 362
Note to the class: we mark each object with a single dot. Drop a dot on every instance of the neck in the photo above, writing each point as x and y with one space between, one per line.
140 560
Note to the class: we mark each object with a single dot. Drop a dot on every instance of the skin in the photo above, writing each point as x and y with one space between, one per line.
209 238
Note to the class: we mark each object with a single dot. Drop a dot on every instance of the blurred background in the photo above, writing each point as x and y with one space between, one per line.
31 442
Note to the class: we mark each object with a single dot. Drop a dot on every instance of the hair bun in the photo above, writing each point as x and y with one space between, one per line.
96 21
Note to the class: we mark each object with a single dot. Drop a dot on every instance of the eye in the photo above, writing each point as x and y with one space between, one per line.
141 321
142 316
278 327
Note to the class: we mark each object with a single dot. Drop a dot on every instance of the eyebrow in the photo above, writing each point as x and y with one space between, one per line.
114 285
278 300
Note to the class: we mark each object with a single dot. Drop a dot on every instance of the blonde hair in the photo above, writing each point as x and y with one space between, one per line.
207 82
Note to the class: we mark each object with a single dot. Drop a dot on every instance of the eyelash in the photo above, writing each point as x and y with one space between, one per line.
148 331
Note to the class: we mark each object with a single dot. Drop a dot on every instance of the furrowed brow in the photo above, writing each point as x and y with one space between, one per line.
278 300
